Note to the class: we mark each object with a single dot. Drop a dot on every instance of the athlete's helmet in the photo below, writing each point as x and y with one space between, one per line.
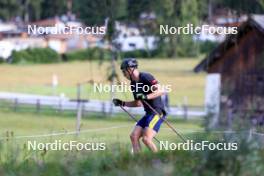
129 62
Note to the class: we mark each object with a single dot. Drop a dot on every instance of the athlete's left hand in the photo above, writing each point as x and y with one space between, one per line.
141 96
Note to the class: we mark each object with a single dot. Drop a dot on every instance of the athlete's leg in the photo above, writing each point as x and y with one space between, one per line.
148 135
134 137
152 127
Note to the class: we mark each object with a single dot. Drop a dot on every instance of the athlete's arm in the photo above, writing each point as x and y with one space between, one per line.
135 103
157 91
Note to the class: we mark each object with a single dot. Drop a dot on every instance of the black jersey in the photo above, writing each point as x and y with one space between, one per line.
145 86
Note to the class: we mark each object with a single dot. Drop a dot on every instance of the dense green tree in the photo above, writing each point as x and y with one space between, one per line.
136 7
188 15
95 12
261 2
175 13
31 9
7 9
242 6
51 8
28 10
166 12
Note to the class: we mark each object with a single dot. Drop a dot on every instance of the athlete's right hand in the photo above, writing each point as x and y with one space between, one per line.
118 102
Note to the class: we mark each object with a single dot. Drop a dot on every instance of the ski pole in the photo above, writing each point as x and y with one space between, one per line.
166 121
135 119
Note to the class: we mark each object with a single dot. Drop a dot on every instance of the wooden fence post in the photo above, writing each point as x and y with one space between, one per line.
185 108
38 105
15 104
103 108
78 118
60 107
185 112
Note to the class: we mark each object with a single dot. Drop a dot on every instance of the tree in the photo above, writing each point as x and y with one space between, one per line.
177 13
31 10
51 8
136 7
188 15
7 9
242 6
95 12
261 2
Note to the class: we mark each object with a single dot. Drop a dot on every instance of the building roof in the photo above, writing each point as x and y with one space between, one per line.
47 22
256 21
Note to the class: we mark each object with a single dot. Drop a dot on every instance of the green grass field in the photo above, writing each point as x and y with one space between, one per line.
36 79
16 128
30 123
25 124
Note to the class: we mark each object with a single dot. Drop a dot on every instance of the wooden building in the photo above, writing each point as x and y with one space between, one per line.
240 61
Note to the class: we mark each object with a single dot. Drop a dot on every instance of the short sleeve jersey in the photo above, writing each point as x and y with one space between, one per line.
145 86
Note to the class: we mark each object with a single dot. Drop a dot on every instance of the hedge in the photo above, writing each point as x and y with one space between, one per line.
35 55
207 46
87 54
47 55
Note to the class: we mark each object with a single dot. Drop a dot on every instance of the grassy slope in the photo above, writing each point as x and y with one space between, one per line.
116 160
15 158
37 78
32 123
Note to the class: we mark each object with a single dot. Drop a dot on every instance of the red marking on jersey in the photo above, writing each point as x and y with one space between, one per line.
154 81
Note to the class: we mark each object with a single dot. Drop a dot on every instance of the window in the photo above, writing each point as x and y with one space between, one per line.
132 45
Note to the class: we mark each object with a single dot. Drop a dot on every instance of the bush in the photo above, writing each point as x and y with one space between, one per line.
187 47
141 53
88 54
35 55
77 55
207 46
101 54
135 54
2 60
